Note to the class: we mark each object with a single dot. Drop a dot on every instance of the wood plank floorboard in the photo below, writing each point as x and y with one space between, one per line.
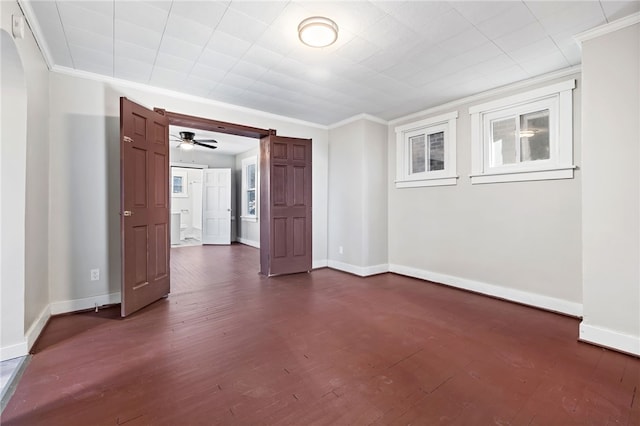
231 347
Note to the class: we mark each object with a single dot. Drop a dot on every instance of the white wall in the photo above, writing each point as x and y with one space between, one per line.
346 175
12 196
520 241
248 231
358 197
208 158
84 128
375 240
611 190
29 159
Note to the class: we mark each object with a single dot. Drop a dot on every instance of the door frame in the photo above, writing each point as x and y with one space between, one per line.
184 120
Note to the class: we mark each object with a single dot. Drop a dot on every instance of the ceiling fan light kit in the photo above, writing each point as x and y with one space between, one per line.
187 141
318 31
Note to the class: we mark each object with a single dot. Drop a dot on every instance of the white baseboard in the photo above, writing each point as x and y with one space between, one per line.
55 308
14 351
317 264
526 298
67 306
251 243
37 326
362 271
610 339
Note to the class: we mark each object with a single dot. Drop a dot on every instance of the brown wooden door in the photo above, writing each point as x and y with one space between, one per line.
285 203
144 216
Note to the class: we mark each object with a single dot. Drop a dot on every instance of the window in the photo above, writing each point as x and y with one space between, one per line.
426 152
524 137
179 183
249 189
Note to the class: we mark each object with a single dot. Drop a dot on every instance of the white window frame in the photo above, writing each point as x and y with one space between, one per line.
245 206
442 123
558 99
185 183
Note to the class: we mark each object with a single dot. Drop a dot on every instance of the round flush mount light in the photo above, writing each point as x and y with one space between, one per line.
527 133
318 31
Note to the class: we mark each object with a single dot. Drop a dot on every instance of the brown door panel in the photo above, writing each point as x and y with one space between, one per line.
144 216
285 190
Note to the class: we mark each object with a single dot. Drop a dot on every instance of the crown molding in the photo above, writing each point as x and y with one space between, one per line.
491 92
34 26
29 15
180 95
604 29
357 117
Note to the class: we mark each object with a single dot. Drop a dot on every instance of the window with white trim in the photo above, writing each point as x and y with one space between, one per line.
250 189
524 137
426 152
179 183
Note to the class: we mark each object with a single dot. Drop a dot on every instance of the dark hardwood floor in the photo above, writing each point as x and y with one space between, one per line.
230 347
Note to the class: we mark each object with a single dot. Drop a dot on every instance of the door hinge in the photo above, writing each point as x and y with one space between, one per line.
127 139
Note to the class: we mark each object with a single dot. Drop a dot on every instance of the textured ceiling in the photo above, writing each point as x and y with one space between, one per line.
391 57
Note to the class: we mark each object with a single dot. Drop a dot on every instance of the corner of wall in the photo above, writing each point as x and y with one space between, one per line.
602 336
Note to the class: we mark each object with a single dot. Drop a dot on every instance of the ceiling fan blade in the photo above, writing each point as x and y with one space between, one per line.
204 144
206 140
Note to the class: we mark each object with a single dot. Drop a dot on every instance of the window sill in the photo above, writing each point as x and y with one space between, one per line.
524 175
249 218
442 181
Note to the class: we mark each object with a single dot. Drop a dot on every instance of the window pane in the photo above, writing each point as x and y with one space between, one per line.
177 184
418 162
251 176
251 202
503 142
534 136
436 151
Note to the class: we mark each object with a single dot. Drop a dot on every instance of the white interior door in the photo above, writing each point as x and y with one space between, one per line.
216 206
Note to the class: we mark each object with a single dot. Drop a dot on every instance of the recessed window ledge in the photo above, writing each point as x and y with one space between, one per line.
547 173
435 181
249 218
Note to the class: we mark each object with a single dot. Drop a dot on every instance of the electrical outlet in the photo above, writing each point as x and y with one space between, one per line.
95 274
340 250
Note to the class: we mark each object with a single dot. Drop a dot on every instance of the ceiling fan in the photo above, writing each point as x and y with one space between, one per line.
186 141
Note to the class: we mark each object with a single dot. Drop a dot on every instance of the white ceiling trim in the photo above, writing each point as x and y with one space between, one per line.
492 92
29 15
173 93
616 25
357 117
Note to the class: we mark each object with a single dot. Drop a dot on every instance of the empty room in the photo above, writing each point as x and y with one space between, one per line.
320 213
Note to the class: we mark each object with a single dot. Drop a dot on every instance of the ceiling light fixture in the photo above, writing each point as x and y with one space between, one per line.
186 146
527 133
318 31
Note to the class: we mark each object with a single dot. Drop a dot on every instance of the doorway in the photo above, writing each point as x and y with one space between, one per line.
196 219
285 194
186 206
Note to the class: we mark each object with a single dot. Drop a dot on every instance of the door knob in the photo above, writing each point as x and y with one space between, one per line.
128 213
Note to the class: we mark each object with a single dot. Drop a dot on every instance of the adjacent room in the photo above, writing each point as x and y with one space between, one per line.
310 212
